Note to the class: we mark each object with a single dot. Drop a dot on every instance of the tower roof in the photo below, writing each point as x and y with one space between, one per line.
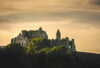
58 31
58 35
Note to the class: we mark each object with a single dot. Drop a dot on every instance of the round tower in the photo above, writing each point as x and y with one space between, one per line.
58 35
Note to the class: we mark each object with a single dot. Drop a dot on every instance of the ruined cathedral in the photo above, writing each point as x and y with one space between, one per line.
26 36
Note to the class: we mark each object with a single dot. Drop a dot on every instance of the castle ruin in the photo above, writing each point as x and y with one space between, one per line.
26 36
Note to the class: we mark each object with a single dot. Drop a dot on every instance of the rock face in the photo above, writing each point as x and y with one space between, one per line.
26 36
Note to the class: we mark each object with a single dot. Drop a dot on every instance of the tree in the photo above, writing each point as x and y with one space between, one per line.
36 44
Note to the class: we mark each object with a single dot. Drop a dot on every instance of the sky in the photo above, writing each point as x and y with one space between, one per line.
78 19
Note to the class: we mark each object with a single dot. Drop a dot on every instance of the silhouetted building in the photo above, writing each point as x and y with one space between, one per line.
26 36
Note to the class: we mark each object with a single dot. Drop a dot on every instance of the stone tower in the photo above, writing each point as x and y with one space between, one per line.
58 35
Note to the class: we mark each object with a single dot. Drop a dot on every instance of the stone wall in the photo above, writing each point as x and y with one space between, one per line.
65 42
26 36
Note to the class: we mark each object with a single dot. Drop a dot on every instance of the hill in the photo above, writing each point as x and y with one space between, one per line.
39 53
15 56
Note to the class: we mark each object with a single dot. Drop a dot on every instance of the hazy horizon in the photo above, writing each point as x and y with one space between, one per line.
78 19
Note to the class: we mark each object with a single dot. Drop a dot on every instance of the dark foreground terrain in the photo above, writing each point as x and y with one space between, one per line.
33 56
21 60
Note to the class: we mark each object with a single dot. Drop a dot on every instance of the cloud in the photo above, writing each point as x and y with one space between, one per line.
15 11
95 2
44 5
83 17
